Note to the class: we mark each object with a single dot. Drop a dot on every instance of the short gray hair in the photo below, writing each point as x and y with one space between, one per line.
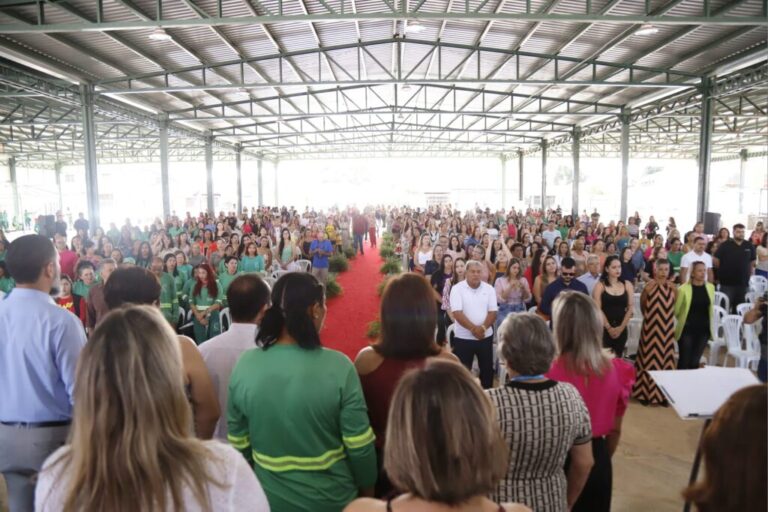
526 344
593 257
470 263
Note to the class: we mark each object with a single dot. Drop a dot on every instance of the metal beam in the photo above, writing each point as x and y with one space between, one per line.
260 164
742 176
164 178
503 159
90 160
209 173
576 150
277 201
15 188
625 117
543 175
238 168
394 15
57 168
705 148
521 165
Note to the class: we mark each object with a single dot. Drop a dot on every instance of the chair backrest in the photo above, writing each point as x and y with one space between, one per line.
449 333
742 309
722 300
718 313
637 312
270 281
732 331
182 316
277 273
304 265
758 284
226 319
751 297
533 309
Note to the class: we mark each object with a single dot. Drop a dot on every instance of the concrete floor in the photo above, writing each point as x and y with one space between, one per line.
650 468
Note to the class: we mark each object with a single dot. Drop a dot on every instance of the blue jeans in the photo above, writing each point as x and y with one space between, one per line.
359 242
505 310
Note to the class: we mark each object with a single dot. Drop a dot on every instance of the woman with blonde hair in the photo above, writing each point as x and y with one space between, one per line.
456 469
605 384
132 448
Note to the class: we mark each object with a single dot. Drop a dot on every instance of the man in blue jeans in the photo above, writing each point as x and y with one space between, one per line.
320 249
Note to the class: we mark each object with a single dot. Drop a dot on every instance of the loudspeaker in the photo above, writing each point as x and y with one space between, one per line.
711 223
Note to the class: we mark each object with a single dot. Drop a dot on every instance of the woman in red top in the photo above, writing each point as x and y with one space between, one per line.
604 382
407 340
75 304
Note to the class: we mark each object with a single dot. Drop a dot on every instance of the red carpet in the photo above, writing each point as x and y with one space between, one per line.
349 314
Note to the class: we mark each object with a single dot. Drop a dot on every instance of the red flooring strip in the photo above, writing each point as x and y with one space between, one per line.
349 314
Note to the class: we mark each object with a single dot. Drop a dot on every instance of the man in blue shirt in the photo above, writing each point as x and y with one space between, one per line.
39 346
565 282
320 249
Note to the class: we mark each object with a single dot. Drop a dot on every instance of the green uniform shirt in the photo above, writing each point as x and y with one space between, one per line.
252 263
226 279
169 300
299 415
81 289
7 284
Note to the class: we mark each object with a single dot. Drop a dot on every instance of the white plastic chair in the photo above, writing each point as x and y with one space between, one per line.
304 265
718 339
634 330
533 309
449 332
723 301
226 319
277 273
751 297
758 284
270 281
742 357
742 309
182 316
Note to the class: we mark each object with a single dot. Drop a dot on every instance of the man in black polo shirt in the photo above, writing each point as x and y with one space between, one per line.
735 261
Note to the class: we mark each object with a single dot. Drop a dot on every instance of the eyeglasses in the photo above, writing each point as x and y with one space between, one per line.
568 274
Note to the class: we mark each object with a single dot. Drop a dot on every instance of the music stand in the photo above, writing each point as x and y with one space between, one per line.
698 394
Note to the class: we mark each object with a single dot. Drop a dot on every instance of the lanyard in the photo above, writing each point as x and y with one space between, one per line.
523 378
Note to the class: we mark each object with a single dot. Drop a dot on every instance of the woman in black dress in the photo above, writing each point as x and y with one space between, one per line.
614 297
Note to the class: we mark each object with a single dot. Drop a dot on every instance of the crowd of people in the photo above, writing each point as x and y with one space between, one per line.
103 387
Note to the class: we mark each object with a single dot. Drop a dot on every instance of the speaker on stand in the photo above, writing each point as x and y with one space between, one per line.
711 223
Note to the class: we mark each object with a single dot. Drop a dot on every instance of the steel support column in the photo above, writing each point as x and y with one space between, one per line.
705 148
57 167
164 178
209 173
576 150
260 163
277 202
504 182
543 175
624 163
521 166
742 176
14 190
90 160
238 164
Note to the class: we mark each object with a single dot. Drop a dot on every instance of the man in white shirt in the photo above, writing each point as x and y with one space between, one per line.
473 303
550 234
592 276
248 297
691 257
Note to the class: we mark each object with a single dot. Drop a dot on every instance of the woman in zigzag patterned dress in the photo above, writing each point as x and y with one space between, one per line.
657 339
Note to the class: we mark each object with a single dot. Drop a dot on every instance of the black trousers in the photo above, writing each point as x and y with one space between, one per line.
692 343
596 495
736 295
466 350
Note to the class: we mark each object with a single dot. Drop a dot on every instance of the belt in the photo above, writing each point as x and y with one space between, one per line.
36 424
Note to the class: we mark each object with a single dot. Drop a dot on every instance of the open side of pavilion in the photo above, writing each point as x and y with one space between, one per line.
90 83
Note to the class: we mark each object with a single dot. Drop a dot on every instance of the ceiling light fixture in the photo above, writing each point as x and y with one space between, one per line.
159 34
647 30
415 27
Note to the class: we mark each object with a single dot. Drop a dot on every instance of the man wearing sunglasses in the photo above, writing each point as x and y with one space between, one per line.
566 281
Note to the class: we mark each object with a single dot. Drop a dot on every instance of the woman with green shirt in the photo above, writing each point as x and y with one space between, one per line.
252 261
205 301
693 310
287 250
296 410
169 299
675 255
230 274
182 266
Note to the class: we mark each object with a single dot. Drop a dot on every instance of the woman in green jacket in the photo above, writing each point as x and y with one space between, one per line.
693 310
296 410
169 299
205 301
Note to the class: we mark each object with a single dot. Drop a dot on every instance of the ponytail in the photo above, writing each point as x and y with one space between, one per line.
292 296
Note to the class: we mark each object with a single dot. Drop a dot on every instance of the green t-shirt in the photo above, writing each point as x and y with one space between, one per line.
674 259
300 416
